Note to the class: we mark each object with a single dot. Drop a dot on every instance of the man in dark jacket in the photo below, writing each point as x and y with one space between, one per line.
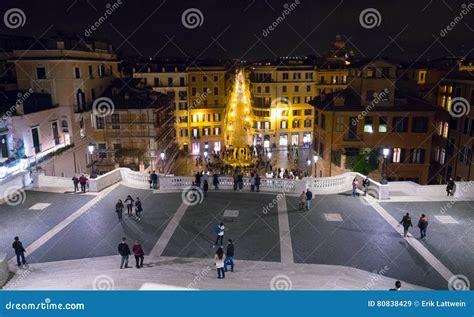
124 251
309 196
229 256
215 181
19 251
257 182
154 180
450 187
423 225
406 223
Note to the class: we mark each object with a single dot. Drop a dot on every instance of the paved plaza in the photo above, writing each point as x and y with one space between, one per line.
65 233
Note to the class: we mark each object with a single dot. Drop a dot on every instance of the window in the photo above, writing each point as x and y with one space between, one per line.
437 153
204 78
259 89
101 70
285 76
115 121
321 80
307 123
205 90
339 124
258 124
296 124
41 73
216 78
296 112
194 118
77 72
117 146
296 75
445 129
267 89
386 72
170 81
283 88
183 132
91 72
217 131
195 133
308 88
206 131
370 72
308 112
297 88
99 122
400 124
284 124
296 100
396 155
382 124
102 150
418 156
267 125
467 126
183 119
370 95
181 81
216 91
193 78
419 124
368 125
442 156
193 91
217 117
308 75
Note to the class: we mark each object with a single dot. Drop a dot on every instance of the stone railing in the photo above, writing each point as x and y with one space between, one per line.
14 184
463 189
12 168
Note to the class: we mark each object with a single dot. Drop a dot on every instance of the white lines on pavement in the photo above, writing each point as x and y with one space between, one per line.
39 206
414 243
446 219
169 231
333 217
286 247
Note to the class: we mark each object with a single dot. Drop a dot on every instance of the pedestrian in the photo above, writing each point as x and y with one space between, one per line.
423 225
355 184
220 234
229 256
119 209
129 202
302 201
197 179
398 286
138 209
83 182
219 260
150 180
19 251
236 180
366 184
309 196
205 187
124 251
215 181
252 182
139 254
257 182
406 223
240 178
75 181
154 180
451 187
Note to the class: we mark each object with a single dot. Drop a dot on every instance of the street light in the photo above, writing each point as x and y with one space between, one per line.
315 159
162 156
269 155
385 153
91 148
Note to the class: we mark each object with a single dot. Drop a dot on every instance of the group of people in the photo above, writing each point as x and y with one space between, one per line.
305 200
220 261
422 225
83 181
153 180
129 203
355 186
124 251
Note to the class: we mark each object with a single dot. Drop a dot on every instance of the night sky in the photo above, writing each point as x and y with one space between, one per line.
234 29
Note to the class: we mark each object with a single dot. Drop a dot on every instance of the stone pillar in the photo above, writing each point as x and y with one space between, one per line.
4 272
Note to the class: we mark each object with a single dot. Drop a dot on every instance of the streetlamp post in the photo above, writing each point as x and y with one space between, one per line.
91 148
162 157
315 160
385 153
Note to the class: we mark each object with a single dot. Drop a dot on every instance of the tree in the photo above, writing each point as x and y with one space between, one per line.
364 162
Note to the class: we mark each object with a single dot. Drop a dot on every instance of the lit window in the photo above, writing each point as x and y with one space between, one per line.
383 124
445 129
284 124
368 125
442 156
396 155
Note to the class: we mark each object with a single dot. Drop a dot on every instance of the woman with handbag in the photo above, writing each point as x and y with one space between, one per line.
219 260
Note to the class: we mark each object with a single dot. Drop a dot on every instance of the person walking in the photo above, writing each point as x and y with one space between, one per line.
138 209
220 234
355 185
229 256
129 202
124 251
236 180
406 223
150 180
154 180
197 179
309 196
423 225
215 181
366 184
240 178
450 187
83 182
75 181
119 209
257 182
137 250
398 286
252 182
302 201
219 260
205 187
19 251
